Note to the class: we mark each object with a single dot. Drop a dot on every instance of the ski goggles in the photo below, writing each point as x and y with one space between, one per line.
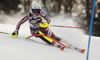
36 10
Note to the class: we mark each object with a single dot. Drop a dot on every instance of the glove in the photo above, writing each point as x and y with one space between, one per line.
14 34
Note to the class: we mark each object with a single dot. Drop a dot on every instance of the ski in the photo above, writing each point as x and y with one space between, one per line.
82 50
63 46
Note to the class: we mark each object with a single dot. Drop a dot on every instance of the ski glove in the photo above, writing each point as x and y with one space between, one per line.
15 32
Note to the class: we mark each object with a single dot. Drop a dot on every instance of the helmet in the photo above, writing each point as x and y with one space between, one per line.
36 8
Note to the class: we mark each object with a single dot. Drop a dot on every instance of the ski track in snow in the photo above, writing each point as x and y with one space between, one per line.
35 49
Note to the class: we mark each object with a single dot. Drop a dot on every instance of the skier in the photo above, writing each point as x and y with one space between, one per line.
35 19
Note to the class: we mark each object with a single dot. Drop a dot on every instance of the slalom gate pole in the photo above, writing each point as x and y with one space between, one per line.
91 24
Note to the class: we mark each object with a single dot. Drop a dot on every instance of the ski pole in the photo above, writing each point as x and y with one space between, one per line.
46 25
4 33
14 36
68 27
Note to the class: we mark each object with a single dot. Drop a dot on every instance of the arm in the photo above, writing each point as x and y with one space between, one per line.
21 22
45 17
15 33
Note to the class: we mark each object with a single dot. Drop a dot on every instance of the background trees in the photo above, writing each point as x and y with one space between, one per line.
9 5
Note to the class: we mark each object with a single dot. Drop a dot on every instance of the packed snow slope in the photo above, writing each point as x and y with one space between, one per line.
35 49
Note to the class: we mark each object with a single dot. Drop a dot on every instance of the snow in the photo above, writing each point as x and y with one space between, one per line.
35 49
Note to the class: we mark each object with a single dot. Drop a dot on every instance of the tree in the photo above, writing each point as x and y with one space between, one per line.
8 5
27 5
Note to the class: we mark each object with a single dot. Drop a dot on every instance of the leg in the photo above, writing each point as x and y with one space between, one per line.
49 33
36 31
47 40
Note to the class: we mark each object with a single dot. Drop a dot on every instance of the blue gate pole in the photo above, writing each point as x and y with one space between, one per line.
91 24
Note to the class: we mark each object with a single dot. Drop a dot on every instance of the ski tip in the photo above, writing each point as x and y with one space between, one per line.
66 47
82 51
27 38
62 48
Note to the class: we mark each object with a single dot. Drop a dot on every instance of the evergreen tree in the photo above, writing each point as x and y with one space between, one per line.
8 5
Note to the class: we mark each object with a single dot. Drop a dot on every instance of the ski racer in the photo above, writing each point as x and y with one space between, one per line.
35 19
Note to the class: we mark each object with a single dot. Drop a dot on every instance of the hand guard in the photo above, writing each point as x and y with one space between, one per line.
15 33
44 25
